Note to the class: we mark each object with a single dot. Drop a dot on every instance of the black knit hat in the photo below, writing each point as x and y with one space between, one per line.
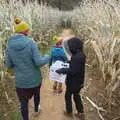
75 45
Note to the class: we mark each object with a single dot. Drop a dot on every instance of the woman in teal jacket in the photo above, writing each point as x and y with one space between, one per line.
23 55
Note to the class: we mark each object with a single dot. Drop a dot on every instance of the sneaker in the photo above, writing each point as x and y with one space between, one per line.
37 113
81 116
68 114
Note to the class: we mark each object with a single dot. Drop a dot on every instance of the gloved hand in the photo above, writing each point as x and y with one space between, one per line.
58 71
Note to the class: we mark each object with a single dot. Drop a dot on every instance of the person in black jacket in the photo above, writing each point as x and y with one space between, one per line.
75 75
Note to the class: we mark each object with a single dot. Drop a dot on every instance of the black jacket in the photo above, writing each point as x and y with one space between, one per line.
76 71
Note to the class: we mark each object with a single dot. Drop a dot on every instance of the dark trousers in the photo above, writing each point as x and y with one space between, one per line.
77 100
36 99
25 101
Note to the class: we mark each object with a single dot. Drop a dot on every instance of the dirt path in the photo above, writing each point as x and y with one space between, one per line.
53 105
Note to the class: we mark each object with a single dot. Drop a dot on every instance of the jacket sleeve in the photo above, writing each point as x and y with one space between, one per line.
37 58
50 63
75 67
8 60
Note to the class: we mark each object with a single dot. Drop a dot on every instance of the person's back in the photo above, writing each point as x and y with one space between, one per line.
75 80
20 49
58 53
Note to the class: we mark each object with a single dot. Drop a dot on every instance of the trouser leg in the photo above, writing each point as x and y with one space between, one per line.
60 88
68 101
78 102
55 85
36 98
24 109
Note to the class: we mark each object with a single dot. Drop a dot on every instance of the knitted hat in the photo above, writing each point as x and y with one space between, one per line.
55 38
21 26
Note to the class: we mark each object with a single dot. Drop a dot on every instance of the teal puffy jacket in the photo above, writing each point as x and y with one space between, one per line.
57 54
23 55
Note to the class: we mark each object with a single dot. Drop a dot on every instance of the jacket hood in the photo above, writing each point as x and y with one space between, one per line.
18 42
75 45
72 46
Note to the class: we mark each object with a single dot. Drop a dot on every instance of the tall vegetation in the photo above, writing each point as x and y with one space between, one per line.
99 24
96 22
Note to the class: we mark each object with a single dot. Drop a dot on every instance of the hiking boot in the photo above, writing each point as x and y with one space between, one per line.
55 87
60 91
81 116
60 88
68 114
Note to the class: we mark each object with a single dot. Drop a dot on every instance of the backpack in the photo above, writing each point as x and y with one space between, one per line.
58 52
